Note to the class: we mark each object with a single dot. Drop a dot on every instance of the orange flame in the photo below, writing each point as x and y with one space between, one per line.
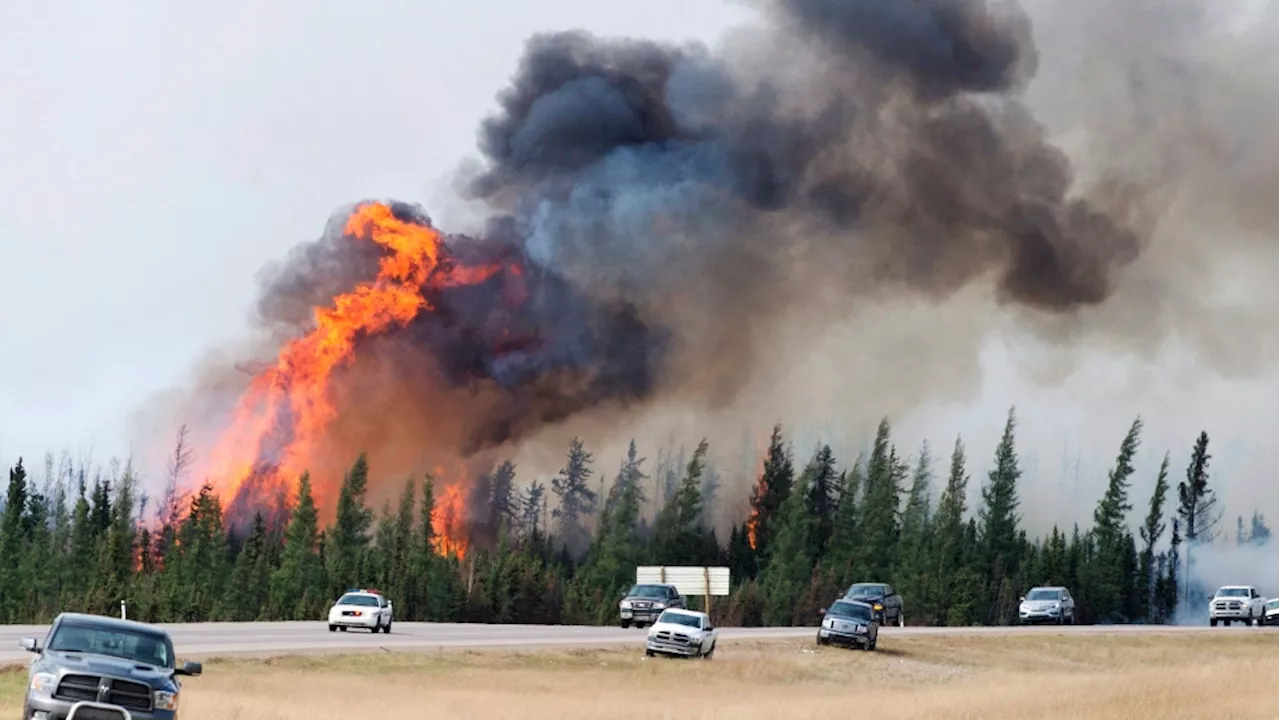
448 520
282 415
753 522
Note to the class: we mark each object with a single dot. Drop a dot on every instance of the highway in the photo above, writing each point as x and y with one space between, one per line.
204 640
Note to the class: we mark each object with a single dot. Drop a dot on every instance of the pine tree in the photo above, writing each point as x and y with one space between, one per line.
244 597
1109 526
772 489
998 520
1197 504
13 586
576 498
913 559
1150 532
297 584
677 537
821 501
503 507
788 571
877 512
1259 532
348 541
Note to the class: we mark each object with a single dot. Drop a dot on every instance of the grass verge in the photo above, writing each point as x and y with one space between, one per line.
1203 675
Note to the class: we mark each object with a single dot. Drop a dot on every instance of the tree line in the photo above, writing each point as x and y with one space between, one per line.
562 552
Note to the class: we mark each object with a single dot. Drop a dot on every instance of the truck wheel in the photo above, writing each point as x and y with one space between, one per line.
648 652
387 630
902 622
626 624
343 628
1213 622
333 628
710 652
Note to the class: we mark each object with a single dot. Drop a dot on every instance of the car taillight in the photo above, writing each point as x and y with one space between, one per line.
359 613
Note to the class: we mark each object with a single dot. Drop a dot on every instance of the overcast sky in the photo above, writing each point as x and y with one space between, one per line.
155 155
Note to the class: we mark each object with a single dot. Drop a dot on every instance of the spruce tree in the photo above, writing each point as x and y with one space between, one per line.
787 570
821 500
348 540
1109 527
772 489
298 583
576 498
998 521
1197 505
1150 532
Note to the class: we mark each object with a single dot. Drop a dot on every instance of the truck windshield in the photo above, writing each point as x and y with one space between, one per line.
679 618
648 591
852 611
1042 595
1233 592
365 600
136 645
866 590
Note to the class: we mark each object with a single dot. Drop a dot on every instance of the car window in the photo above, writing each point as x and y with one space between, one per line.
680 618
354 599
136 645
647 591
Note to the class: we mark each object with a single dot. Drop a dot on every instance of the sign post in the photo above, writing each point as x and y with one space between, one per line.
705 581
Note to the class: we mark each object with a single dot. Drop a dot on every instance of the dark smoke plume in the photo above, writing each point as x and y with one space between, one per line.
668 204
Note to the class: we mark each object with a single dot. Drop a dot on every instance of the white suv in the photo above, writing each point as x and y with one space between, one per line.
1237 602
366 609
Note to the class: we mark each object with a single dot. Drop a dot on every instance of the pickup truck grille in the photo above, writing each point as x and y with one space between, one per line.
131 695
1227 605
99 713
669 637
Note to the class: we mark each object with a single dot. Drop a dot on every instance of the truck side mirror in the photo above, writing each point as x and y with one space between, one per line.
29 644
189 668
822 611
1022 598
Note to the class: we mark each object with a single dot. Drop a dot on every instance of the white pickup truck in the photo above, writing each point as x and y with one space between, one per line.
1237 602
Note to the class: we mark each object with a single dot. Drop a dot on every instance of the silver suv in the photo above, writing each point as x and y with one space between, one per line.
1047 604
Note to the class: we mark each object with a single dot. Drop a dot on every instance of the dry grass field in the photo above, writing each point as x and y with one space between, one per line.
1015 677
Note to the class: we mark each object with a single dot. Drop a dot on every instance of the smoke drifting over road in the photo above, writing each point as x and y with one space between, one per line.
657 210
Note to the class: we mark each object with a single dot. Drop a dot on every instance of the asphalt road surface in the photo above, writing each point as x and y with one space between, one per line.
203 640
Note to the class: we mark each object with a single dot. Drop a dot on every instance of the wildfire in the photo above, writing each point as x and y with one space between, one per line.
448 520
283 414
753 522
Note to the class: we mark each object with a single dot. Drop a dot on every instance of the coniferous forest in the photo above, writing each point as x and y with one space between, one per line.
561 550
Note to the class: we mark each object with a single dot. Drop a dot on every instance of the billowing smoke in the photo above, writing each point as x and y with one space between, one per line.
661 210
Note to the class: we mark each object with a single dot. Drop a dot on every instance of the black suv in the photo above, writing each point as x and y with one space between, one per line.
101 668
644 602
886 603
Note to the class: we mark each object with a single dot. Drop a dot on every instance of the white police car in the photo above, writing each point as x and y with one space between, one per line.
361 608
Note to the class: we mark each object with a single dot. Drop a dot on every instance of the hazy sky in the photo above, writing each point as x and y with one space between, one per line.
155 155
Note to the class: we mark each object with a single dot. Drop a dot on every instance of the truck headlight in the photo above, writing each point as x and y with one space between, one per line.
43 682
659 606
625 604
166 700
878 606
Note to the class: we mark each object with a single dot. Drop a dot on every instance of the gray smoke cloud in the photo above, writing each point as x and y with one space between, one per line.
695 220
888 148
